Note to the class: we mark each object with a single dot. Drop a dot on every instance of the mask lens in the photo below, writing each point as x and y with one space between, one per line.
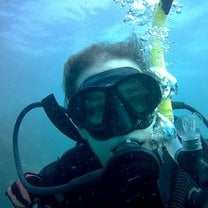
94 102
136 94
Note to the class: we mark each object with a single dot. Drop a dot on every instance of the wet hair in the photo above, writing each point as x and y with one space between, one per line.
99 53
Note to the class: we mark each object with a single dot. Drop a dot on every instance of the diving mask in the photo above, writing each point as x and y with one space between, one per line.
115 102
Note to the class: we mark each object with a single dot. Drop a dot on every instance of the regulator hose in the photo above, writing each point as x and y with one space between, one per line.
180 190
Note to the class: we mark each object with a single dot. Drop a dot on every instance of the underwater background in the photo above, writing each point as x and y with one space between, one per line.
36 38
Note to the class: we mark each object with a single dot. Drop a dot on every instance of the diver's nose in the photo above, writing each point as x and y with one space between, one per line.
120 117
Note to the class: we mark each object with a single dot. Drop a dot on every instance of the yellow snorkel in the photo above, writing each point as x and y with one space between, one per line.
157 55
168 82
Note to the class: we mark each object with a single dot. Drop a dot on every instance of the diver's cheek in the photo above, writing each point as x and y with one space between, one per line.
103 149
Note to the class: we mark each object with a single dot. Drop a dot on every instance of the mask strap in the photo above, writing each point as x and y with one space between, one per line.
59 117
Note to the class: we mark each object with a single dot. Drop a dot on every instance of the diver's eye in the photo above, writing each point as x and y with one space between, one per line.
94 107
135 94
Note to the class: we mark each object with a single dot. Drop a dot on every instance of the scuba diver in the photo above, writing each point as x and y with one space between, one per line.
124 146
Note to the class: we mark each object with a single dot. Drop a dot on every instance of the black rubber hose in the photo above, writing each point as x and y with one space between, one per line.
180 190
84 181
181 105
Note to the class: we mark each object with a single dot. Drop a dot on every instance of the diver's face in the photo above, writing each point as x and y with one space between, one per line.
104 149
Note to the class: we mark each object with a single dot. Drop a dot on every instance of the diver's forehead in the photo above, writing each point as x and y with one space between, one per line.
108 65
117 63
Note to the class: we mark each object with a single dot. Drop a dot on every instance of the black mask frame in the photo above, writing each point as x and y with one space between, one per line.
120 113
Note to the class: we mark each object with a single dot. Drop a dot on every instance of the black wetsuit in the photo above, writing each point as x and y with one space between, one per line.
81 160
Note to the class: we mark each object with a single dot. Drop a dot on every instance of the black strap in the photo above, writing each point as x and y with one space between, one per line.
59 117
181 105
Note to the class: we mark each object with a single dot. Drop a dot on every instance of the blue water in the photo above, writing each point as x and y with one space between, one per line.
36 37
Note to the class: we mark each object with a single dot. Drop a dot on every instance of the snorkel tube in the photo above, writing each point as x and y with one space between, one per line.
189 153
157 53
167 81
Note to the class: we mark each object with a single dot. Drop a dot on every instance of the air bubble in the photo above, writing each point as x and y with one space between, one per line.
138 12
